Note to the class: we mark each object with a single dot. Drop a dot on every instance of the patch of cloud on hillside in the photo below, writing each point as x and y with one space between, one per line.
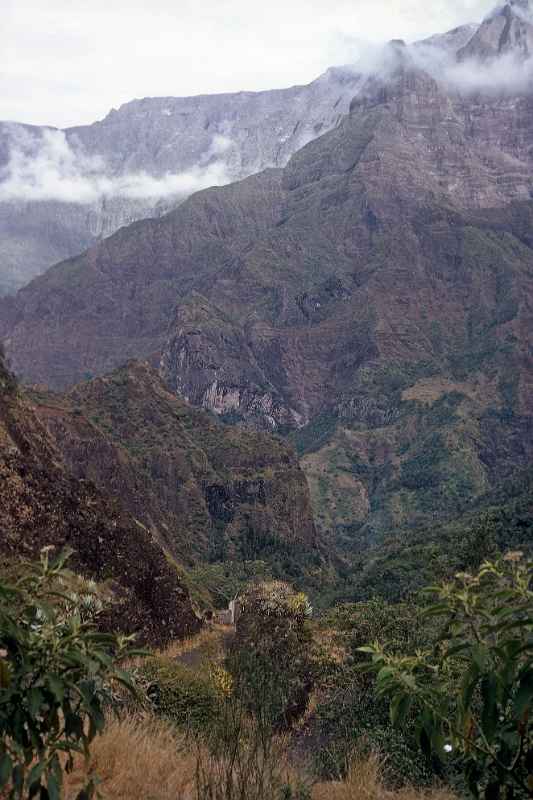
46 166
505 74
521 9
508 74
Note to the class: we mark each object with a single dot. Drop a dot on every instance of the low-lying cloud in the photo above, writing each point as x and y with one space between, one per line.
46 166
509 73
506 74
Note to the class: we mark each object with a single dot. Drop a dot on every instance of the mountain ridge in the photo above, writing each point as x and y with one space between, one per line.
43 504
373 296
144 158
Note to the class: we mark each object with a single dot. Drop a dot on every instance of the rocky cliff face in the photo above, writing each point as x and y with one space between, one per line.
147 156
508 30
42 503
203 490
374 296
127 164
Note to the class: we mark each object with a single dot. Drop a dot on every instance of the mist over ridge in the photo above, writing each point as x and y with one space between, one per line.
62 190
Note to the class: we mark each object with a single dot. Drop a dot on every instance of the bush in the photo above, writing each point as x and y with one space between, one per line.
271 661
56 671
186 697
241 758
472 692
351 719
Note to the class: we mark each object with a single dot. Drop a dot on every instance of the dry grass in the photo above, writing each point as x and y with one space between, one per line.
144 759
208 644
138 759
364 782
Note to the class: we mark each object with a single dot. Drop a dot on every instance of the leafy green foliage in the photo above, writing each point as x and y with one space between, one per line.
56 674
472 692
314 435
350 718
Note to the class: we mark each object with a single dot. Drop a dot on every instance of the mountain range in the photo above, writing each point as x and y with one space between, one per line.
368 296
63 190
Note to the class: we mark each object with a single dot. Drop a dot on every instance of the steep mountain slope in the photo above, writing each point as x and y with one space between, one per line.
375 297
120 169
508 30
498 522
62 191
205 491
42 504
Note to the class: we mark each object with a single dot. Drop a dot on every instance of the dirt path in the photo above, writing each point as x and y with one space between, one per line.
211 644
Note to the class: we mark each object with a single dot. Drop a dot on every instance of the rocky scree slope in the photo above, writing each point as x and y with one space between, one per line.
42 503
203 490
374 297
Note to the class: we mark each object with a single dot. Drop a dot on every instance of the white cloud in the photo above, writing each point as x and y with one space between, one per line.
507 73
67 62
504 74
46 166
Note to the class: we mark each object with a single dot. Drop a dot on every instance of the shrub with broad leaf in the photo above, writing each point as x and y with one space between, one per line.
57 673
471 693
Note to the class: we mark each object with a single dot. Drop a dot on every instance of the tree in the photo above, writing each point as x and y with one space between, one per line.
471 693
56 671
271 661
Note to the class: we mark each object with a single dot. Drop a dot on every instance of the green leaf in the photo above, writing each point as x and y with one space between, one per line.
54 788
480 657
425 742
125 680
6 767
470 682
35 699
400 708
524 694
17 776
458 648
34 778
489 715
57 687
384 674
437 610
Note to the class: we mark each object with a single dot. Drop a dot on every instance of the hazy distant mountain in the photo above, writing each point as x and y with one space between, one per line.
61 191
141 160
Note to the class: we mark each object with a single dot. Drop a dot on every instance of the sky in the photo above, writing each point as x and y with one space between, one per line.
68 62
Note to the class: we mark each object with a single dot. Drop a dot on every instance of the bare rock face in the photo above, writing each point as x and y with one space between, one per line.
208 360
509 29
145 158
137 151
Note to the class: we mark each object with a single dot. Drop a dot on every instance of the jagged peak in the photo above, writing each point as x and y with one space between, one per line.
520 8
508 29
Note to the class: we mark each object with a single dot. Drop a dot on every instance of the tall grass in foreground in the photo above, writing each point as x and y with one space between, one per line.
143 758
138 759
364 782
